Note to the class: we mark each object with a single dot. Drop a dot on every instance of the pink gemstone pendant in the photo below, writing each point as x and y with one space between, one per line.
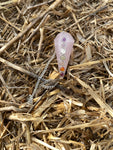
63 48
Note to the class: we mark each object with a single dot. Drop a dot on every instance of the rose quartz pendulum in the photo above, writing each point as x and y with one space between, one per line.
63 48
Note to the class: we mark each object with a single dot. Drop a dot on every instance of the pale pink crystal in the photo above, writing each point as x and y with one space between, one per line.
63 48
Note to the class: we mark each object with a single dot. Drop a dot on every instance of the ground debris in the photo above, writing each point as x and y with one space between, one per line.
63 114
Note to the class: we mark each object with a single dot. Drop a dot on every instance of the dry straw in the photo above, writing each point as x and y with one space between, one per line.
73 113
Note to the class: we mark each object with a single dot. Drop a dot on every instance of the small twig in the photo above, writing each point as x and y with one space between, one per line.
85 17
30 99
109 72
8 2
9 103
5 85
12 108
105 65
75 19
51 84
20 35
82 126
16 38
43 143
24 117
37 28
38 5
40 42
95 96
20 135
10 23
18 68
45 69
28 137
31 74
18 47
81 19
98 10
37 102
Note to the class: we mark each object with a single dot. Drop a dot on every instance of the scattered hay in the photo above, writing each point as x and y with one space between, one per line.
38 110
